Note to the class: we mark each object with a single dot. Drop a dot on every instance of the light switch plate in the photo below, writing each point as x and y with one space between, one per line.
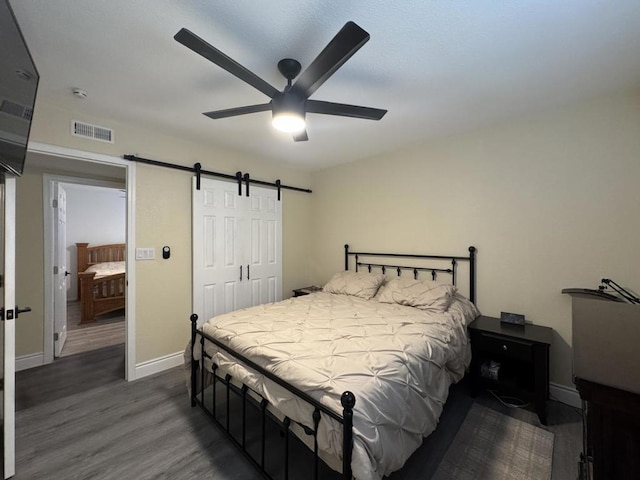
148 253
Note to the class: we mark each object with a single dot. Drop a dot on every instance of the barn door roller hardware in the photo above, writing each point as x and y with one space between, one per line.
198 171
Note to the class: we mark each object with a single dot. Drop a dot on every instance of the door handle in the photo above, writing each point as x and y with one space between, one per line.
247 272
66 273
240 272
22 310
11 313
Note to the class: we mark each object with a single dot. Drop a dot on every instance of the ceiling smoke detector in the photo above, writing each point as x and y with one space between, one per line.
80 93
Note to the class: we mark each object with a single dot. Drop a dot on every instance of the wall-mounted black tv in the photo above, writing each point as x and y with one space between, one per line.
18 86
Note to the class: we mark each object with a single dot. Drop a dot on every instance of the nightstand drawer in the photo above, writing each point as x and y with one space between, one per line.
499 345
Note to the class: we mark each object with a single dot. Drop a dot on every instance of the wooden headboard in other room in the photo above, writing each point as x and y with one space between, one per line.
87 256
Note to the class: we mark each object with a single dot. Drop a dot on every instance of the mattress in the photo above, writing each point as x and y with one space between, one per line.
397 360
106 268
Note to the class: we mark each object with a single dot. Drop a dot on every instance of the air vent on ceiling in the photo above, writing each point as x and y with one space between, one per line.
94 132
16 110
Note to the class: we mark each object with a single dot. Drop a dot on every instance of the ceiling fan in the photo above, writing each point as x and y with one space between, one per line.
290 105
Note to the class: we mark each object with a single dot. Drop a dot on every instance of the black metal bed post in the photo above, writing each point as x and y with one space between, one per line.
348 401
194 321
472 274
346 256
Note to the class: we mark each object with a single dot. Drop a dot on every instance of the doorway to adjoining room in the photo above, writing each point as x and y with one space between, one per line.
95 215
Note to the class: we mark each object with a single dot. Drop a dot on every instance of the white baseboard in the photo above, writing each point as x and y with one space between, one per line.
29 361
564 394
159 364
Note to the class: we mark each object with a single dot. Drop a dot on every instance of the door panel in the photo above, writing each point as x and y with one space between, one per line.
60 269
265 244
7 241
216 262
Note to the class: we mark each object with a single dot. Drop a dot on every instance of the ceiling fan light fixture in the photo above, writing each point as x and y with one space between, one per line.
289 122
288 113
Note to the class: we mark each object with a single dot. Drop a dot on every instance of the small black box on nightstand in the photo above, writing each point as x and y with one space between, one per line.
513 318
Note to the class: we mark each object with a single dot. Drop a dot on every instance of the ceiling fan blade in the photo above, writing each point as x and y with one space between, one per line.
340 49
198 45
300 136
232 112
344 110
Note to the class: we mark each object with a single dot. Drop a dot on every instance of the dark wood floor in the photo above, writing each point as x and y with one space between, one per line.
79 419
68 376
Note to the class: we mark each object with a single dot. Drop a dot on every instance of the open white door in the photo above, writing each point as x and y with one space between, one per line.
60 268
8 264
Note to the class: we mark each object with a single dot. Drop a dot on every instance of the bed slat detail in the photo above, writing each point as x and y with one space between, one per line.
106 293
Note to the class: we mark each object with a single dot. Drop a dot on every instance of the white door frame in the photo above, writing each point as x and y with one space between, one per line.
130 307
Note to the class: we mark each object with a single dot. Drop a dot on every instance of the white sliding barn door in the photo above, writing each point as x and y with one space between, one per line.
216 258
236 248
264 265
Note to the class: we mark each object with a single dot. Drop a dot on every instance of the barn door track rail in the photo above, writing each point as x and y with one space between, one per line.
198 171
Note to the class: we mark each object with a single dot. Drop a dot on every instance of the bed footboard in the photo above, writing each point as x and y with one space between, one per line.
102 295
213 404
106 293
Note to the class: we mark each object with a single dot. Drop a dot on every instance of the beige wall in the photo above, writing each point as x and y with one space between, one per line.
550 202
29 263
163 217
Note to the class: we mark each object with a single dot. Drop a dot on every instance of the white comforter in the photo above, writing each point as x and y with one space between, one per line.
107 268
398 361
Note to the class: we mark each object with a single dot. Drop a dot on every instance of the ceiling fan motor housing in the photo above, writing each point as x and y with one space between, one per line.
288 103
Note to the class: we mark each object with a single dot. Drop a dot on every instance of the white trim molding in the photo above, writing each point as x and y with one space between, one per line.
565 394
130 310
32 360
159 364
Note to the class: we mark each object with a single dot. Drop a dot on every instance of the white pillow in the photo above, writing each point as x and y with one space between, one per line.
463 306
359 284
423 294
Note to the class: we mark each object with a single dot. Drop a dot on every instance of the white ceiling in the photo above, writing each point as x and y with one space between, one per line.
439 67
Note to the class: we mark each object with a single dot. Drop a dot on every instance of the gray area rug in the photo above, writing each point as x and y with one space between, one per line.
493 446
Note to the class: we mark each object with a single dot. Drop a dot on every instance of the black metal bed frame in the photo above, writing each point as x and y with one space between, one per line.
348 399
471 258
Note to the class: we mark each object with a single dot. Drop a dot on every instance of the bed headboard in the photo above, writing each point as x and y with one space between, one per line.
445 264
87 256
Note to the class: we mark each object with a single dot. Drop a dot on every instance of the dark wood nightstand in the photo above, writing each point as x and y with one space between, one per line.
298 292
523 354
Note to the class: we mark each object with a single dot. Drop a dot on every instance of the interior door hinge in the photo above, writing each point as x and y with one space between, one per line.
56 336
55 270
55 203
